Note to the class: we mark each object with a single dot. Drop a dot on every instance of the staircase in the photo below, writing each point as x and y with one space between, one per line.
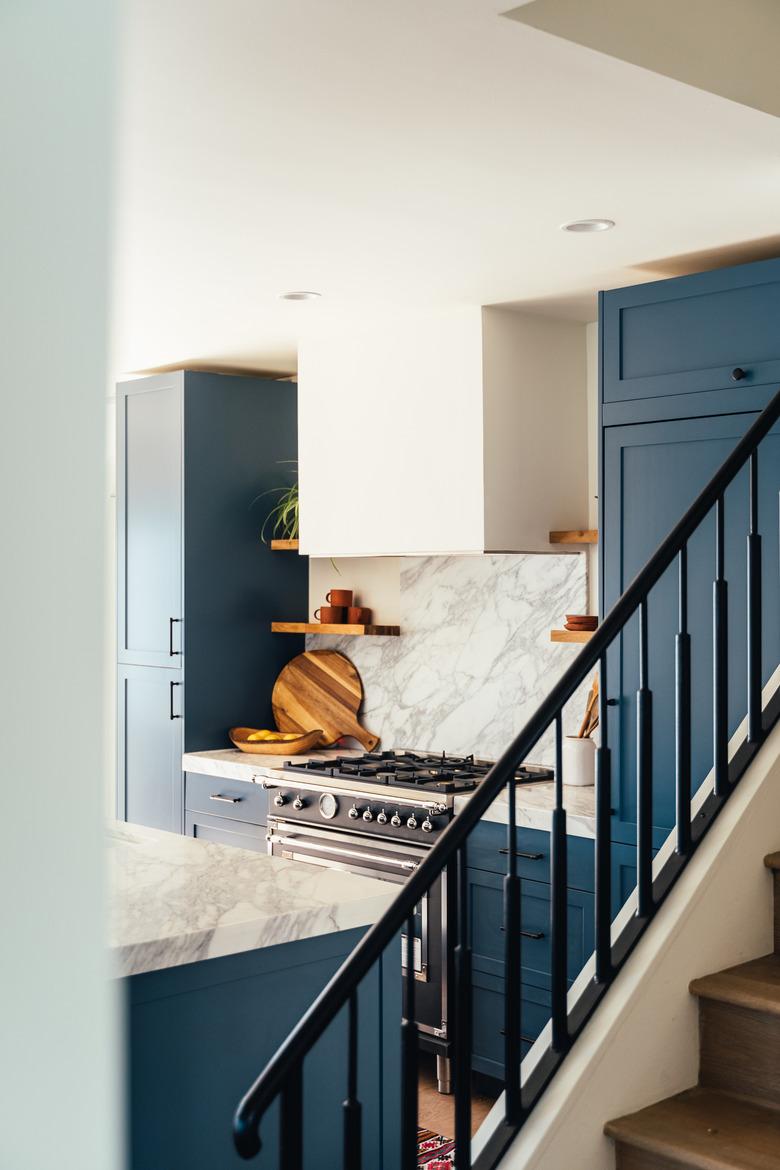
731 1120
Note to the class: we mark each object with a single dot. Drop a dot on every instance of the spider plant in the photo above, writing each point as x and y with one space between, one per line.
283 521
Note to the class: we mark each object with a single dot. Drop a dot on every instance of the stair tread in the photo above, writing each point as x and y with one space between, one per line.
773 861
704 1130
754 985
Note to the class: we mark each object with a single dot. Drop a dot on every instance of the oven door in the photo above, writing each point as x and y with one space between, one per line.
388 861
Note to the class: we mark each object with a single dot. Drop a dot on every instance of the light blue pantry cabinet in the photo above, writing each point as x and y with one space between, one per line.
197 589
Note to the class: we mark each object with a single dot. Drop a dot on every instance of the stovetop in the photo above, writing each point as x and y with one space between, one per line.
420 770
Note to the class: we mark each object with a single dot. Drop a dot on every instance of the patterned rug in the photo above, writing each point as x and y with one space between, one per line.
434 1151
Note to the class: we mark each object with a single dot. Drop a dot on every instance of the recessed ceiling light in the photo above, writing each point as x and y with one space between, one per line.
588 225
299 296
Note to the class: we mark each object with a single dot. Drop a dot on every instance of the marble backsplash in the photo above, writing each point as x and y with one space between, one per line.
474 658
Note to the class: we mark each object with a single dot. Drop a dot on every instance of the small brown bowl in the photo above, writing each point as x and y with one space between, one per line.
239 737
582 621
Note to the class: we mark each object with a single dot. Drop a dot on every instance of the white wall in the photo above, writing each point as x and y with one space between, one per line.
374 581
642 1044
535 428
59 1042
415 375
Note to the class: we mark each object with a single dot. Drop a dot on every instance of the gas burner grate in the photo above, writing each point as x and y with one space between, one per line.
422 770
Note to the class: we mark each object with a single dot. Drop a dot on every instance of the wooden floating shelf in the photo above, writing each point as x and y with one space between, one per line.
575 536
284 545
571 635
324 628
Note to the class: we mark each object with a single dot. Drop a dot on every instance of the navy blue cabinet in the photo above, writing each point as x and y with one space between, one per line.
712 338
685 366
197 589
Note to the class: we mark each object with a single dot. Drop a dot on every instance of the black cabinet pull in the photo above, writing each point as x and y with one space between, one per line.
525 1039
527 933
737 374
174 684
525 856
171 650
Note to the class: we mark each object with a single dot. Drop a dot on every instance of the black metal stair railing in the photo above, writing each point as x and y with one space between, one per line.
282 1078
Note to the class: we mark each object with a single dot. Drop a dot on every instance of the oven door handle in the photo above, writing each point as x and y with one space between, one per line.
355 854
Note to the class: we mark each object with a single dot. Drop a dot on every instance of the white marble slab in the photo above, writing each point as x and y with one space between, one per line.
178 900
231 764
474 659
534 805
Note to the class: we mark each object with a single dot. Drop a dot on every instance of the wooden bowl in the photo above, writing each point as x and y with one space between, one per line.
239 737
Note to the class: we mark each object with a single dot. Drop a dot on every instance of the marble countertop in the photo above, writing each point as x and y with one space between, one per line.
177 900
533 806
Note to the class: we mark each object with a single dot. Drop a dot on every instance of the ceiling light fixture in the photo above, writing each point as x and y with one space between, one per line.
588 225
299 296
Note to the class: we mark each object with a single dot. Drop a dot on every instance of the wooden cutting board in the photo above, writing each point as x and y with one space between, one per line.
321 688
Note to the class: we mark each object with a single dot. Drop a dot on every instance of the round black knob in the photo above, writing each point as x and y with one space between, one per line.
737 374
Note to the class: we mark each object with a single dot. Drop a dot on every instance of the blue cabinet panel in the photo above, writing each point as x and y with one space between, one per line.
686 336
149 520
487 850
486 921
224 832
149 747
488 1021
652 472
237 800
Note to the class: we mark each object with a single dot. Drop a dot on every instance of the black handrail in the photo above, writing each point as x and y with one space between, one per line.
287 1061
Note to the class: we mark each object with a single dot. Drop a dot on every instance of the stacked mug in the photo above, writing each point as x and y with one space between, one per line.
340 610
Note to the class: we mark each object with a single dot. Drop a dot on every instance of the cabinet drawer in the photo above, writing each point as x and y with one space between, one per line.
686 336
486 913
488 1021
225 832
487 850
235 800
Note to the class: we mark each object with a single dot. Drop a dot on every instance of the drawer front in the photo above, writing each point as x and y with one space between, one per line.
487 850
486 911
687 336
224 832
235 800
488 1022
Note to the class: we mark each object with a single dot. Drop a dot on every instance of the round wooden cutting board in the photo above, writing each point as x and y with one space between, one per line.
321 688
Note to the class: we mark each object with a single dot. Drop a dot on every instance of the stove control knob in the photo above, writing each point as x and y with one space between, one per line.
280 799
395 820
411 822
353 813
368 815
381 818
298 802
427 825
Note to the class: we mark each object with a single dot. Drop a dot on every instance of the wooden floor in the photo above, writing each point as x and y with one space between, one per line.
437 1111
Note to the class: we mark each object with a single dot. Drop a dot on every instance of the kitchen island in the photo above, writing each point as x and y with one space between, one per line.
219 951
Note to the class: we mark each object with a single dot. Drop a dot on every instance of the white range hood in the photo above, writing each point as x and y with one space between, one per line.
430 429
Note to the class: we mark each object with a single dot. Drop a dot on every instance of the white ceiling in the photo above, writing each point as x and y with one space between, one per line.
412 150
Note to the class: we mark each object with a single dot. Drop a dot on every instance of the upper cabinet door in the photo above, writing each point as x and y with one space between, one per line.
714 335
149 521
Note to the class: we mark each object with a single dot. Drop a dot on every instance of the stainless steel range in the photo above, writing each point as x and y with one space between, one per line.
378 814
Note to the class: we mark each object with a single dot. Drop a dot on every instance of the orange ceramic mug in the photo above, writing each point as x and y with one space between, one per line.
330 615
358 615
341 597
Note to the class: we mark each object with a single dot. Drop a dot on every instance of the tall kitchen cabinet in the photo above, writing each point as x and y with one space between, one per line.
686 365
196 586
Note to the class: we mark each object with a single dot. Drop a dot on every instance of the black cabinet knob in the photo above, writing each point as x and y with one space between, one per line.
737 374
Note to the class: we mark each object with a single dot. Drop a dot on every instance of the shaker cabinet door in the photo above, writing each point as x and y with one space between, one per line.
652 474
149 521
149 745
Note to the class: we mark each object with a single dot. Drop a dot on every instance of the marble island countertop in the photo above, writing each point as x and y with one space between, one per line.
177 900
533 806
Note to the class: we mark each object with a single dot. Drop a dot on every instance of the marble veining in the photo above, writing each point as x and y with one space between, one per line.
177 900
474 659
